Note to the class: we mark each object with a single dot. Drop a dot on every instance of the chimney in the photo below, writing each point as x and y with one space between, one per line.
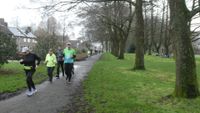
28 30
6 24
1 21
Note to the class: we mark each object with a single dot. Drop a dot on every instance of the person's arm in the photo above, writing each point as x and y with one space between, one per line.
74 54
45 61
55 60
38 59
21 61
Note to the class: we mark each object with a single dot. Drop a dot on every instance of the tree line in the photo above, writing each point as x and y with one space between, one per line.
113 21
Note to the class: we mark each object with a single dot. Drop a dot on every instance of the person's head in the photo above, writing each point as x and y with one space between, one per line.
68 45
25 50
59 48
50 51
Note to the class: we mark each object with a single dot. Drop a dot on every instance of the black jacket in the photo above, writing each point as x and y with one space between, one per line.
59 55
30 60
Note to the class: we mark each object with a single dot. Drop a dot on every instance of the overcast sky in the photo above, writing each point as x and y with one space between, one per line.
15 13
12 12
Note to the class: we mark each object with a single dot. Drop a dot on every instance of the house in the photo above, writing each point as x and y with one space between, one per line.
23 36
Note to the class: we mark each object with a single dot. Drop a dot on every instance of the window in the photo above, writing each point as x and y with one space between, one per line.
34 41
24 39
29 40
21 48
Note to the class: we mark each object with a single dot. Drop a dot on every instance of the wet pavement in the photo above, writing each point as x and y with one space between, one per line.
51 97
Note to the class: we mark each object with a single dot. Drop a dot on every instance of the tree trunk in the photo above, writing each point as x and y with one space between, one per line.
146 30
149 47
122 49
139 35
115 48
115 44
167 51
158 50
106 45
152 28
166 36
186 77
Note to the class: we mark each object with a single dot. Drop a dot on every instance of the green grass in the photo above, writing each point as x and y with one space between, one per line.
12 77
113 87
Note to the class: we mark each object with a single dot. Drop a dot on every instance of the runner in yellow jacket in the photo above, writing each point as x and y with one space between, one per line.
50 62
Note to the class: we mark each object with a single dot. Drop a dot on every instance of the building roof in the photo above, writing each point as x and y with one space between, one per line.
16 32
29 34
21 33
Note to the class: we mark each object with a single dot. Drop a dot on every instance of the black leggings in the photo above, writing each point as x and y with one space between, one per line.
29 80
68 70
60 64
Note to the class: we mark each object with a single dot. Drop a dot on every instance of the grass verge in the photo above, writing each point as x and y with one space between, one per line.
113 87
12 77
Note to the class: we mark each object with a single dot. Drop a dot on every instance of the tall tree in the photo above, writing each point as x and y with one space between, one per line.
167 39
52 26
47 37
139 64
186 76
139 35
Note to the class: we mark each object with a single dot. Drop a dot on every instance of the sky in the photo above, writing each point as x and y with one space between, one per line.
17 13
13 13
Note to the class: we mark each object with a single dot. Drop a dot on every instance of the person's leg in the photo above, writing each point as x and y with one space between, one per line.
58 69
31 79
72 68
28 79
70 71
67 70
49 73
62 68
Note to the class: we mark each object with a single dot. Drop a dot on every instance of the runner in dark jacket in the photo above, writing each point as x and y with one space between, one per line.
29 62
60 61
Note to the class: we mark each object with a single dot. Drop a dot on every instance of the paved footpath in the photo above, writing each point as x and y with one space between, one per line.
50 98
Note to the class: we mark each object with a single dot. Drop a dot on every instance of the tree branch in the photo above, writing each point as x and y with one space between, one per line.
194 12
129 1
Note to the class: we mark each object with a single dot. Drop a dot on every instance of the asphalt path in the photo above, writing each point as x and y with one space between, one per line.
51 97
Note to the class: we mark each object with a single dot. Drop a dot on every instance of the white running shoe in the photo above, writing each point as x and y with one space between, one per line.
29 93
34 91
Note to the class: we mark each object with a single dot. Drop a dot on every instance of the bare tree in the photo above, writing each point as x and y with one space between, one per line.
186 76
46 37
167 39
139 35
139 46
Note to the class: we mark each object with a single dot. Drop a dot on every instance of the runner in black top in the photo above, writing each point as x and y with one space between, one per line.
29 61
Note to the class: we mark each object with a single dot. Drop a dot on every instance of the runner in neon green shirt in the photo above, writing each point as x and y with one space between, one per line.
69 56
